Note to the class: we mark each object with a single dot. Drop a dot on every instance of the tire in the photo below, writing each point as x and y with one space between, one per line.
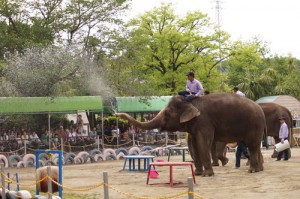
146 148
134 151
94 152
110 157
69 157
11 160
120 156
43 156
98 157
83 154
4 160
78 160
88 157
28 164
41 163
70 161
24 194
109 151
20 165
51 163
27 158
123 150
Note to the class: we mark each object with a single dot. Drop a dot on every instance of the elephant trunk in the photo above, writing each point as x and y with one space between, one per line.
152 124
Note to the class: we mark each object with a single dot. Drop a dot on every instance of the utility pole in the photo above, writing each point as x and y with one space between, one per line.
218 9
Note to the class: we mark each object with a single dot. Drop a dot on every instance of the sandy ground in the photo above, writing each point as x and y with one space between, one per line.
280 179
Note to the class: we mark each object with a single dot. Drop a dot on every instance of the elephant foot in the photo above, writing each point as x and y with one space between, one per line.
215 164
224 161
248 163
257 169
198 172
208 173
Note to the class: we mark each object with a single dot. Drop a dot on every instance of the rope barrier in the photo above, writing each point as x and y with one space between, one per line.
97 186
138 197
12 152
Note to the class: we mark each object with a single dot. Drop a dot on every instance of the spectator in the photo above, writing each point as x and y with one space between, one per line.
45 138
93 133
34 140
25 138
115 134
80 123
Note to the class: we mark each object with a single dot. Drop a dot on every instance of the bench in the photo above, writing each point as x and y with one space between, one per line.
132 159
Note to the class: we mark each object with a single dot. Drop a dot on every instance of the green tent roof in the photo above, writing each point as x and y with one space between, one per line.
31 105
267 99
141 104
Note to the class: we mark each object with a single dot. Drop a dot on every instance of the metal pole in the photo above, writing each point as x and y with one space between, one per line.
17 179
49 182
166 137
62 145
8 184
98 142
105 180
133 135
102 126
25 147
3 181
49 130
191 188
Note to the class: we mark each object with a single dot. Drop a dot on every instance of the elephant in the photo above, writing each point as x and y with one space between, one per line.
272 113
224 117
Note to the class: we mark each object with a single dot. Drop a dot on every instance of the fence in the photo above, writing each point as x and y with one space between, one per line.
106 187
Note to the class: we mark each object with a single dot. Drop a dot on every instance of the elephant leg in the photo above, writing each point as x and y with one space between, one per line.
275 153
256 159
214 155
203 143
194 154
221 151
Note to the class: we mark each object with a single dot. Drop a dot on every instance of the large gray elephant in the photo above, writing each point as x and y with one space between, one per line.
222 117
272 113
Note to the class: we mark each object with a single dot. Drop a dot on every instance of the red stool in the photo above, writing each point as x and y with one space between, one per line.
171 164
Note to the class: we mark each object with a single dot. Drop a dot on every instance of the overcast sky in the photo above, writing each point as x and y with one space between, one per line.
274 21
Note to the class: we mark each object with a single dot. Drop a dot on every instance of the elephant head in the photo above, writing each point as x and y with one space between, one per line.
171 118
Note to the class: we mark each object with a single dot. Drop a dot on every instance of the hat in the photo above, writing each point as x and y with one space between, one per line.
235 88
281 118
190 74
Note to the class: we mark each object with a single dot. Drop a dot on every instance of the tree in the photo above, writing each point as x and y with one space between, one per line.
163 47
52 71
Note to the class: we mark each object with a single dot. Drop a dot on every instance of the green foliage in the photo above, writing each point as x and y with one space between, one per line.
162 47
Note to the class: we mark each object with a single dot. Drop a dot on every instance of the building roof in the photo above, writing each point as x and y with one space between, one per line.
287 101
41 105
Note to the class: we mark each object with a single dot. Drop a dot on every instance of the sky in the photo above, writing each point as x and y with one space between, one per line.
273 21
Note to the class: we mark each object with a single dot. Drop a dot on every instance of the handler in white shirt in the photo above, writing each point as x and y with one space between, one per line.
283 135
240 93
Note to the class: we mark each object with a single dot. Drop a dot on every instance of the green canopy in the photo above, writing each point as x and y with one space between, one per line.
267 99
34 105
141 104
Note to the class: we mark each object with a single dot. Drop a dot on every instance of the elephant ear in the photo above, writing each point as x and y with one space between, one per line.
189 113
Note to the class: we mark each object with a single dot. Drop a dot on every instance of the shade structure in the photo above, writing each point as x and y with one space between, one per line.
141 104
42 105
287 101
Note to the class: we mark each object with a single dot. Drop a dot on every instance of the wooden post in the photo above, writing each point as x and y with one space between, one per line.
49 182
105 180
191 188
98 142
25 147
3 181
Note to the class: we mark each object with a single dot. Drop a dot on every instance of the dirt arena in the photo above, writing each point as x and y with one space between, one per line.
280 179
